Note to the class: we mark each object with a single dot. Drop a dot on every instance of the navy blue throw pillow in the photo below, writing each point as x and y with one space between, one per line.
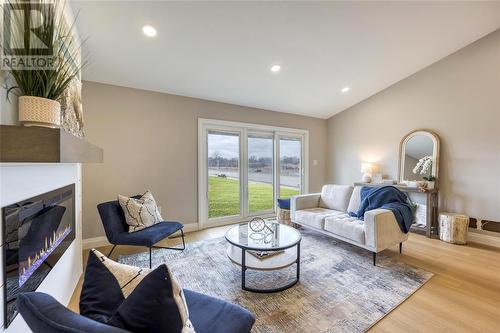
151 307
101 294
284 203
133 298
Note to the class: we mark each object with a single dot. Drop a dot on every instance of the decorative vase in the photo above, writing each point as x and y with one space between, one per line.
367 178
430 185
39 111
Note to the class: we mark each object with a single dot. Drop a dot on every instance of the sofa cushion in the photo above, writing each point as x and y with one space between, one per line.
314 217
335 197
212 315
355 200
148 236
44 314
346 226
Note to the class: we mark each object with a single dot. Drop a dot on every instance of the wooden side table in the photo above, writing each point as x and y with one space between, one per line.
453 228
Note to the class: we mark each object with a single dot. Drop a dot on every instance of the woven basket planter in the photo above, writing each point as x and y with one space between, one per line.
283 217
39 111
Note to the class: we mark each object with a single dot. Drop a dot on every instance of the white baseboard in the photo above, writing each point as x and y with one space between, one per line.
190 227
484 237
90 243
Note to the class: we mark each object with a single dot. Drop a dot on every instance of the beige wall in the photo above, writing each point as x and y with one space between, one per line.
150 142
457 97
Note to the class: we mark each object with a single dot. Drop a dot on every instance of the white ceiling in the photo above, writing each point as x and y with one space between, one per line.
222 51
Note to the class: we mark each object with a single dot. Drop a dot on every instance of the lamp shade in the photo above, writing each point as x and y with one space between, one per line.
366 167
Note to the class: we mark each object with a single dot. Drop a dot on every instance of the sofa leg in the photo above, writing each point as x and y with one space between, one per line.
374 258
400 247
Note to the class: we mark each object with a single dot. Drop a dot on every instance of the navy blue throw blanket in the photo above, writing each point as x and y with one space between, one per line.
386 197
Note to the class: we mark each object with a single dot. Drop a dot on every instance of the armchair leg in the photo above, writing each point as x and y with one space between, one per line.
112 249
174 248
150 261
401 247
183 244
168 248
374 258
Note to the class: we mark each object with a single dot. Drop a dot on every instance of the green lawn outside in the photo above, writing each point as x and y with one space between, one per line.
224 198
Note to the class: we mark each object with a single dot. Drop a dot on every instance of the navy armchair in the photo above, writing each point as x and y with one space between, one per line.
44 314
116 229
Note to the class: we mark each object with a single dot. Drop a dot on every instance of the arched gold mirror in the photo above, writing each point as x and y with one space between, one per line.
419 158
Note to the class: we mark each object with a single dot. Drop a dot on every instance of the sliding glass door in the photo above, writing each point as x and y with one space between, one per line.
260 173
290 166
223 174
244 168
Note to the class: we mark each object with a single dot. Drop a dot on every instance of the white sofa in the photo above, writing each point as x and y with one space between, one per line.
328 213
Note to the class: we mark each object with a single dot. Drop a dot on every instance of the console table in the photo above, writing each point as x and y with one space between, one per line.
432 202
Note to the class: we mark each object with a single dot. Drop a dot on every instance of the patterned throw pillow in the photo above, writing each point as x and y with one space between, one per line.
140 213
135 299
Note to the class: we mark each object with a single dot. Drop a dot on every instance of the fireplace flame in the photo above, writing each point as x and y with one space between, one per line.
33 262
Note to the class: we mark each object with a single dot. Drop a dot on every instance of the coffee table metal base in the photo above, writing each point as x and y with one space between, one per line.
244 268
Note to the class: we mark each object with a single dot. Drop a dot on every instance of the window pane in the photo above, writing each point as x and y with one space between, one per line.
260 173
290 165
223 174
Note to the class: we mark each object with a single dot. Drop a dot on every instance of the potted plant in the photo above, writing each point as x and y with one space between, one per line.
424 167
45 72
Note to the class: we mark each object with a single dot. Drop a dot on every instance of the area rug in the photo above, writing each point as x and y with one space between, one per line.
339 289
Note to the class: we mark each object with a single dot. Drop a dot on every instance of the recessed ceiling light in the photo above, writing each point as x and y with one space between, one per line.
275 68
149 31
345 89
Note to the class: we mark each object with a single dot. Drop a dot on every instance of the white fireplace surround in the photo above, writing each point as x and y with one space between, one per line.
19 181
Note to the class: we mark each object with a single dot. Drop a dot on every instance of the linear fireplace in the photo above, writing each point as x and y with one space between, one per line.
37 232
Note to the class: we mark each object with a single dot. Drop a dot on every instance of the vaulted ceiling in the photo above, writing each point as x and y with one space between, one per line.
223 51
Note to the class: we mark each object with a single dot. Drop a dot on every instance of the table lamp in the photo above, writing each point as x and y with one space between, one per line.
366 169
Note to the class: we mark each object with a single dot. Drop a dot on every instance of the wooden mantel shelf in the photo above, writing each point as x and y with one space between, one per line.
45 145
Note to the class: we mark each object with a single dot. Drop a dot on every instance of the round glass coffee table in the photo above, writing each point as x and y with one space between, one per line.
278 244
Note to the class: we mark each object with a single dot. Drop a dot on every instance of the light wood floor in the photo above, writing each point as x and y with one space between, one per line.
463 295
